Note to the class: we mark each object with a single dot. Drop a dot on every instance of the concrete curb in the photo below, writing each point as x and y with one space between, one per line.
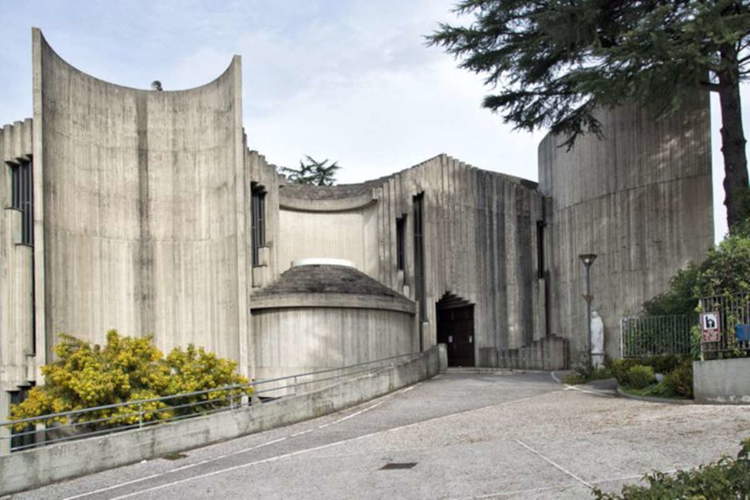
652 399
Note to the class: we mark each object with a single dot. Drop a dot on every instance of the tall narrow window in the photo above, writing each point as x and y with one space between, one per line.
258 210
400 235
540 249
22 198
418 206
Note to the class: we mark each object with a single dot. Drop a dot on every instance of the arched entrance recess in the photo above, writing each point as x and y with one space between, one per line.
455 329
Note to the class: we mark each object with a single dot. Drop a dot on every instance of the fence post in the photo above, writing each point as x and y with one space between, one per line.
140 415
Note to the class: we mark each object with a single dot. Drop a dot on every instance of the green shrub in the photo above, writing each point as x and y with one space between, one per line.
664 363
620 367
640 376
660 390
727 478
680 298
726 270
127 369
680 380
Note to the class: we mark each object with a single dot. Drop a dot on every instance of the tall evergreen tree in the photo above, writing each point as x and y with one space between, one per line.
551 63
317 173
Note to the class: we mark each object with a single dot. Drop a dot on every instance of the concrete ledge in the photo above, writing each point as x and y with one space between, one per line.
722 381
34 468
336 300
287 202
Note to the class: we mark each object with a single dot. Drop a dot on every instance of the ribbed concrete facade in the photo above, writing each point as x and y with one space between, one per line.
152 216
141 209
640 198
17 343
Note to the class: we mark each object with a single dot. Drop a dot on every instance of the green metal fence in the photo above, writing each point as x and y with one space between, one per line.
655 335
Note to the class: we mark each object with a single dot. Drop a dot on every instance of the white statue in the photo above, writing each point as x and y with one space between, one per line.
597 340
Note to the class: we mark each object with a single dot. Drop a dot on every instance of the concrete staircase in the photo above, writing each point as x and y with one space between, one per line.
549 353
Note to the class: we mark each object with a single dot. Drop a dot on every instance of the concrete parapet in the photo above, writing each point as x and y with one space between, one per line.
722 381
33 468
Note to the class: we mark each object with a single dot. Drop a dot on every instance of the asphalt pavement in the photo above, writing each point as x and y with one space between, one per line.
459 435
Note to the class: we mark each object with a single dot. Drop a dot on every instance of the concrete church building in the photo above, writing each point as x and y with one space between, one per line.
145 211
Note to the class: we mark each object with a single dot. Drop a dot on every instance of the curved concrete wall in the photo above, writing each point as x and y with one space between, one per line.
291 340
640 199
141 211
350 235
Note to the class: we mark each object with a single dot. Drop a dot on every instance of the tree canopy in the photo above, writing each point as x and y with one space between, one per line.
552 63
317 173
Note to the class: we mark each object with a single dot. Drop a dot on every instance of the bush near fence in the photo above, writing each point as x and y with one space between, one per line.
677 371
722 276
126 369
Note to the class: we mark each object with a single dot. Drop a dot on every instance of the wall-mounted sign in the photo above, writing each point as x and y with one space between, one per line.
710 326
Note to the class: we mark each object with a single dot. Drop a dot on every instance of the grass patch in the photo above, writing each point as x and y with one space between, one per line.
660 390
583 376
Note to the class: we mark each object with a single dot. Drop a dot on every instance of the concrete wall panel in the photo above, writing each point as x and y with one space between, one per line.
299 340
640 198
346 235
16 268
142 209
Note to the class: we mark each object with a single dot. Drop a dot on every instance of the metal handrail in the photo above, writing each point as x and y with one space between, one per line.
234 387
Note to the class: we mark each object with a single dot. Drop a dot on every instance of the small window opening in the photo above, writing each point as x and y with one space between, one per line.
400 243
258 229
540 248
22 198
418 207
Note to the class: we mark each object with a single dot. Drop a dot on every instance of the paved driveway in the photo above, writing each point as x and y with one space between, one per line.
456 436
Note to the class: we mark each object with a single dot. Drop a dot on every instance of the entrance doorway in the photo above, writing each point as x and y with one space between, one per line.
455 329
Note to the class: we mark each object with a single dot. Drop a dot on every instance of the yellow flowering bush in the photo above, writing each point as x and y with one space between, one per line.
128 369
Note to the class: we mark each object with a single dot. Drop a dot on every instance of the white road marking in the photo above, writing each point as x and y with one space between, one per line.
244 450
244 466
554 464
177 469
569 387
589 391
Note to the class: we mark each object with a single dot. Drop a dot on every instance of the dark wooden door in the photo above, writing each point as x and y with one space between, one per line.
455 329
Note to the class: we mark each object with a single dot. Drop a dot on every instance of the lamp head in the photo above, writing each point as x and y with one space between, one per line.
587 258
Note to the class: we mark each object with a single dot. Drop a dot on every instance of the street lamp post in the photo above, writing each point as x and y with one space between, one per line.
588 259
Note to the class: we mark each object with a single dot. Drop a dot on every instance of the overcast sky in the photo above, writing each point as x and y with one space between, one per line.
350 81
